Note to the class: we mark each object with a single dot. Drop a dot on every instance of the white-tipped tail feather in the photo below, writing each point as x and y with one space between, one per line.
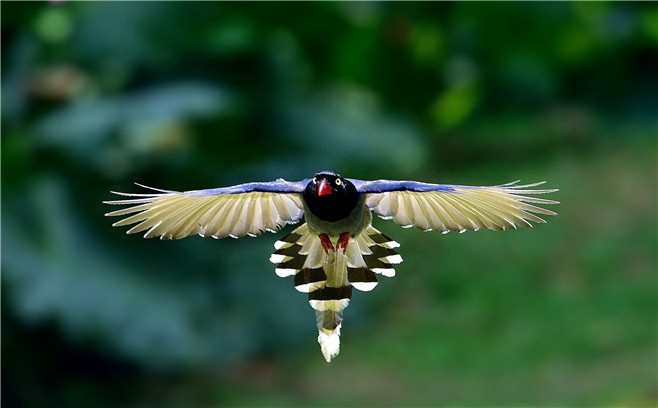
329 342
328 278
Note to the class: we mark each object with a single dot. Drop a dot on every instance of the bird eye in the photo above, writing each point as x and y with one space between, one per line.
338 182
315 180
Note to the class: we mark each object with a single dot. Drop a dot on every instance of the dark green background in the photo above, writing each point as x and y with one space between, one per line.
198 95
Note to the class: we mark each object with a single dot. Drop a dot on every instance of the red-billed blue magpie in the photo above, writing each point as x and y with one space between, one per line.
337 249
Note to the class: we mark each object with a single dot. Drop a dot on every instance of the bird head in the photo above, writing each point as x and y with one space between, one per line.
326 183
330 196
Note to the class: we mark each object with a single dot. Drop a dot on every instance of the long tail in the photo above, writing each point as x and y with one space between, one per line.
328 278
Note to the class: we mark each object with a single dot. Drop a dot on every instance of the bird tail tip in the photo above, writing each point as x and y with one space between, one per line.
329 343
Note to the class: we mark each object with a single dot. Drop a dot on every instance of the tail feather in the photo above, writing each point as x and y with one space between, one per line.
329 343
328 278
308 280
362 278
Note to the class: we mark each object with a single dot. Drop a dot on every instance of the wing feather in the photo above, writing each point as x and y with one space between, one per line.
503 208
463 212
171 226
273 214
294 203
188 224
402 205
226 222
445 214
211 222
143 213
208 219
424 217
282 208
247 209
482 215
175 223
434 215
445 207
244 221
155 215
497 216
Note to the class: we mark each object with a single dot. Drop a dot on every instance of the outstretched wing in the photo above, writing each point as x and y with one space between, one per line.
445 207
236 211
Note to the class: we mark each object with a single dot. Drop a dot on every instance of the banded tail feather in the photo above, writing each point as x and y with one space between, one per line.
328 278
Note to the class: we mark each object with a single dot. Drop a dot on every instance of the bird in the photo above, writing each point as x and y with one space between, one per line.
337 248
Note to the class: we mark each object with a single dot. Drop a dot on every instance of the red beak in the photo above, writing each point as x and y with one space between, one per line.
324 188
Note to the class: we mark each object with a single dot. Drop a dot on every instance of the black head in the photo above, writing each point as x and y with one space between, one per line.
330 197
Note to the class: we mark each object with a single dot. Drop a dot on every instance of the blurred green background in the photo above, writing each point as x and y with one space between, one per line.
184 96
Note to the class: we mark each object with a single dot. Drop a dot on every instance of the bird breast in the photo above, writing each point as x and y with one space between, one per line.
358 219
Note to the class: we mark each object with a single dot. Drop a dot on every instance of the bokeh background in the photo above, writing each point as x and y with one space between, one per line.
96 96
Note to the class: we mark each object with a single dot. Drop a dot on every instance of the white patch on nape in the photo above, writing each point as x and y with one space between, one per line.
388 272
278 258
283 272
392 259
364 286
329 343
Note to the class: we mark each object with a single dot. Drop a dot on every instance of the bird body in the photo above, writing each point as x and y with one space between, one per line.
353 223
337 248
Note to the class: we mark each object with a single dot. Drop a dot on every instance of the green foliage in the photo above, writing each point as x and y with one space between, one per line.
193 95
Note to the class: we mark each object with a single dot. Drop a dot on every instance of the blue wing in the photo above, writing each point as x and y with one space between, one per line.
235 211
447 207
381 186
276 186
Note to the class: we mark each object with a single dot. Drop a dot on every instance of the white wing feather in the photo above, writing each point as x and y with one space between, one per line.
174 215
464 208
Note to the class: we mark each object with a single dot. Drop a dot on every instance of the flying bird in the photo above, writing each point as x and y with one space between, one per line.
337 248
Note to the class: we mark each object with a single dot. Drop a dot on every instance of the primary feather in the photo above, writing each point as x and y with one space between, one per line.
247 209
444 207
